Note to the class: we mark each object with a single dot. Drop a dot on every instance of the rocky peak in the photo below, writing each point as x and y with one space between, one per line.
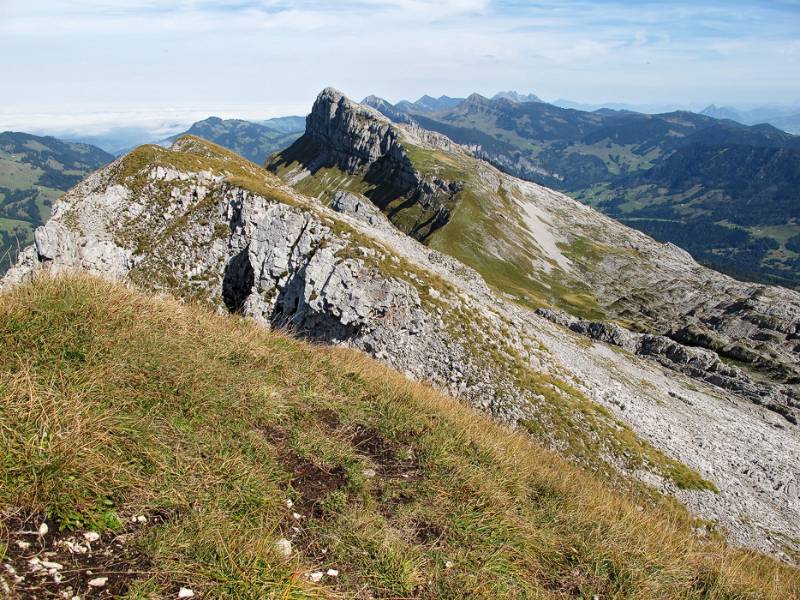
515 96
360 141
387 109
476 99
353 134
373 101
475 103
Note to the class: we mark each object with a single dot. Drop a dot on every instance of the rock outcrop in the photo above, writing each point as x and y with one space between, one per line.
359 141
285 262
697 362
553 243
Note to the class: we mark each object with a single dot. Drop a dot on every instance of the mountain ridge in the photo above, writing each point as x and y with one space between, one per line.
203 223
304 174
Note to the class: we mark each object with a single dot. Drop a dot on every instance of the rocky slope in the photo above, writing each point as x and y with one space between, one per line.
544 248
202 223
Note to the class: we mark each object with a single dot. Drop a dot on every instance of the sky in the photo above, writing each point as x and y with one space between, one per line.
98 63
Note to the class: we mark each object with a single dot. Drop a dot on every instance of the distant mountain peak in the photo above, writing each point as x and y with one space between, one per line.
395 113
721 112
373 99
476 98
514 96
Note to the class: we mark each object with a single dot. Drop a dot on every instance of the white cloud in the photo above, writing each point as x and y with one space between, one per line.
255 56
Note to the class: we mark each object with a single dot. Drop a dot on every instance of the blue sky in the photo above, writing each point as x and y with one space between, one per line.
175 59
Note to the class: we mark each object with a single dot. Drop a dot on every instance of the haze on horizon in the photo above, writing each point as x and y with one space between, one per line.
105 62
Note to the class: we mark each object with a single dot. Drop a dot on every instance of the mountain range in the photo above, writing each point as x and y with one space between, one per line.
724 191
644 408
787 119
254 141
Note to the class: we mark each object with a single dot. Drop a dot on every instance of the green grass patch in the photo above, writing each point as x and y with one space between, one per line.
114 404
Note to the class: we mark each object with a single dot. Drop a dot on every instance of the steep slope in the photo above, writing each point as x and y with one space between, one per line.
541 247
34 171
201 222
630 165
254 141
193 443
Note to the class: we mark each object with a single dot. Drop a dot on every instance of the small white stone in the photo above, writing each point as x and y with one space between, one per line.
185 593
315 576
75 548
141 519
332 573
369 473
284 546
98 582
289 503
297 516
23 545
51 565
91 536
43 529
448 564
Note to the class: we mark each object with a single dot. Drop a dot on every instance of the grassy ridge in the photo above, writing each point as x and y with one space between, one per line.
113 404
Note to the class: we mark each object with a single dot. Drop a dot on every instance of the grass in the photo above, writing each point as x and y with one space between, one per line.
486 233
113 403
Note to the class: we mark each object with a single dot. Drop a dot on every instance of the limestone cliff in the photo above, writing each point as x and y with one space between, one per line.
355 139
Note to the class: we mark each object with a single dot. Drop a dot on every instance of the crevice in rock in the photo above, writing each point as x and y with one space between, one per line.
237 282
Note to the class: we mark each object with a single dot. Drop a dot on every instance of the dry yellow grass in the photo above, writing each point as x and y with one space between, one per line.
113 403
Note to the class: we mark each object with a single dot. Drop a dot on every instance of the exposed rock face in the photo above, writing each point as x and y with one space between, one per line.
286 266
697 362
197 224
360 141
